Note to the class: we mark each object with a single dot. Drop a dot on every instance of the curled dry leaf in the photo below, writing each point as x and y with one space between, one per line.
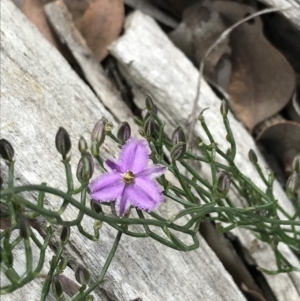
283 140
200 28
262 81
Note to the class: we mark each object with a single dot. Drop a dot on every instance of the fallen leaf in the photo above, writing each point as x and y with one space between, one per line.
200 28
99 21
283 140
262 81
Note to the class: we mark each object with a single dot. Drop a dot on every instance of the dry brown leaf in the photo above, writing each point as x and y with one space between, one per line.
99 21
200 28
262 81
283 140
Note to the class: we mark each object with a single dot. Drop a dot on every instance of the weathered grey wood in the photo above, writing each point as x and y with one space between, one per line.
61 21
39 93
152 64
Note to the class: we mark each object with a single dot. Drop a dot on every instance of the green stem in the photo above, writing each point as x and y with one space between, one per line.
80 296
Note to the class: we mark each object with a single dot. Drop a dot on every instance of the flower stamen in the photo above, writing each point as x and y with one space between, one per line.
128 177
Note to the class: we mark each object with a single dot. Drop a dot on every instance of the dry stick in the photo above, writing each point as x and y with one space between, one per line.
193 116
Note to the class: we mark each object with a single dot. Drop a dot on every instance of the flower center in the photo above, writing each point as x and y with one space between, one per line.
128 177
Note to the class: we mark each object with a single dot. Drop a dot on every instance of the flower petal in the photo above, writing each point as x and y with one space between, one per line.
107 187
152 171
113 165
134 156
145 194
122 203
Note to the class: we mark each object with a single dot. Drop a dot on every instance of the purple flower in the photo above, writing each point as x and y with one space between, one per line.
130 180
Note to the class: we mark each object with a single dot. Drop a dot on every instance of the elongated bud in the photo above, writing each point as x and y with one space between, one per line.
149 103
296 164
124 132
6 150
95 149
98 133
82 145
82 275
85 168
96 206
223 182
149 126
63 142
89 298
1 181
25 230
178 151
65 234
63 263
292 183
178 135
145 113
57 288
224 108
252 157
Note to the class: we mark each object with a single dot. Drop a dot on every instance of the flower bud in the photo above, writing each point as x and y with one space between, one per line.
82 145
149 126
178 135
85 168
223 182
145 113
296 164
65 234
1 181
124 132
63 142
95 206
149 103
292 183
63 263
82 275
177 152
95 149
57 288
6 150
89 298
25 230
224 108
252 157
98 133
